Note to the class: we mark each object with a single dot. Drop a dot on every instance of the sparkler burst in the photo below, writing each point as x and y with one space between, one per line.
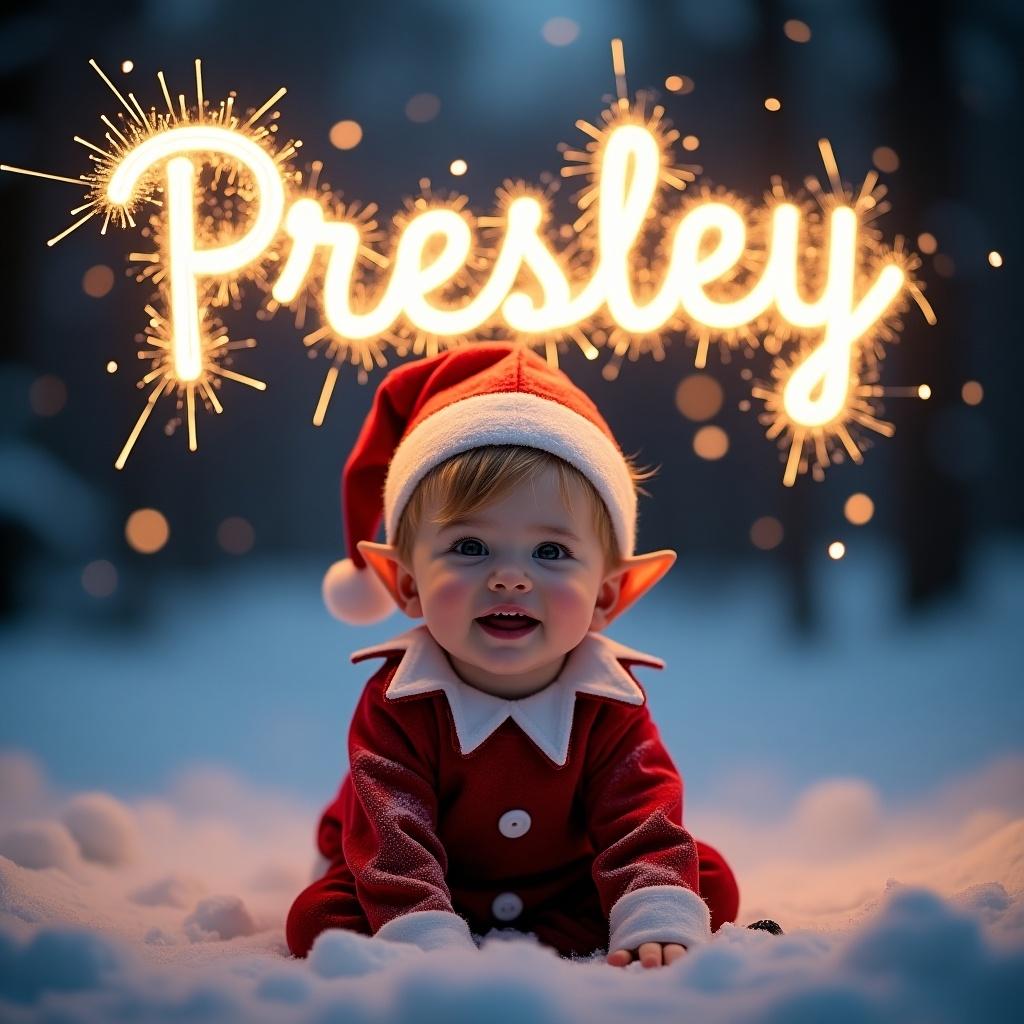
765 331
623 344
644 257
364 354
792 412
229 193
575 259
588 162
409 338
813 446
156 344
576 263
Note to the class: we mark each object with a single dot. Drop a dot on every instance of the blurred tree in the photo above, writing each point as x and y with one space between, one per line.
16 90
773 145
932 526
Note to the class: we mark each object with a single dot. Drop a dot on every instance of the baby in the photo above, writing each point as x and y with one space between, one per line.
504 768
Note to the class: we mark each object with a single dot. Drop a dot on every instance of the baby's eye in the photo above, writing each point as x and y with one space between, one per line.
470 547
549 550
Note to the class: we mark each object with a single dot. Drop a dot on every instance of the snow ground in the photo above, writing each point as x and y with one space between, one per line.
868 788
920 917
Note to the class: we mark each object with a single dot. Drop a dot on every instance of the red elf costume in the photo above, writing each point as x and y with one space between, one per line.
559 813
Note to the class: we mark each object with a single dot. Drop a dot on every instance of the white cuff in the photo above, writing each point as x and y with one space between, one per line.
659 913
429 929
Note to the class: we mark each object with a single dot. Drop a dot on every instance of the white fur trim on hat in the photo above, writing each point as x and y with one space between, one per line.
514 417
356 595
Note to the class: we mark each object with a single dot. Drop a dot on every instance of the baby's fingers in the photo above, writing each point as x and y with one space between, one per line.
673 952
650 954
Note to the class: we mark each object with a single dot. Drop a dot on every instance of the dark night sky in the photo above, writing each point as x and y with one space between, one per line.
943 94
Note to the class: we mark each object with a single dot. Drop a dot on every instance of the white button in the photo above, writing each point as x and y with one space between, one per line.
507 906
513 824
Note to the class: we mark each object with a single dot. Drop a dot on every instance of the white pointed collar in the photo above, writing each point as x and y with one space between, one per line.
594 667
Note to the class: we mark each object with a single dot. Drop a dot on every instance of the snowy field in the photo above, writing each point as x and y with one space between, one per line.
161 784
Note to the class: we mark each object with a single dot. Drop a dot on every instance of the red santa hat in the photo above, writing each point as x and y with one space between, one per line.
485 393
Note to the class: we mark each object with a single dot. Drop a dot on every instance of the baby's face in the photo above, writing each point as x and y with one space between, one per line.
526 554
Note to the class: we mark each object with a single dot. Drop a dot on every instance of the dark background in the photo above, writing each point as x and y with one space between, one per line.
941 85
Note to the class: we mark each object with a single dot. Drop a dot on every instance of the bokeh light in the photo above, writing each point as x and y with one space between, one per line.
766 533
423 107
47 395
772 103
885 159
560 31
146 531
458 167
927 243
836 550
112 367
859 509
711 443
679 83
127 66
797 31
690 143
99 578
236 536
924 392
972 392
346 134
995 259
97 281
699 397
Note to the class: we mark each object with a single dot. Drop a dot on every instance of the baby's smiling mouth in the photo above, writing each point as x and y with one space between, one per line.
507 624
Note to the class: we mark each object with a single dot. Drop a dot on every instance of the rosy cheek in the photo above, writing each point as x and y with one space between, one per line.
568 600
449 590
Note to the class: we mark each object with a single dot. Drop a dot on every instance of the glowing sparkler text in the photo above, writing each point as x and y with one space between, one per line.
815 394
807 279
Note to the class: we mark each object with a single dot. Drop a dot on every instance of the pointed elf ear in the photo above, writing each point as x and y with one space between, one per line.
383 561
636 576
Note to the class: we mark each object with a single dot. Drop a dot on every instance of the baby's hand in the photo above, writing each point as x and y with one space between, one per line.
650 954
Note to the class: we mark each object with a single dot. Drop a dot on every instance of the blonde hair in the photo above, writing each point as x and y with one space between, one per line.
466 483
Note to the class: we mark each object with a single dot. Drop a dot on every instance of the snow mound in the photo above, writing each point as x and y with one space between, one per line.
509 981
219 917
338 954
56 960
918 958
921 920
39 844
103 828
284 986
172 891
158 937
838 814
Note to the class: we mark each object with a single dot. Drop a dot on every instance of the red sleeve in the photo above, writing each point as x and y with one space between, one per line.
634 804
389 807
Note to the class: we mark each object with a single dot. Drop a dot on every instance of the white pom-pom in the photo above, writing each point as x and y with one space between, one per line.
356 596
